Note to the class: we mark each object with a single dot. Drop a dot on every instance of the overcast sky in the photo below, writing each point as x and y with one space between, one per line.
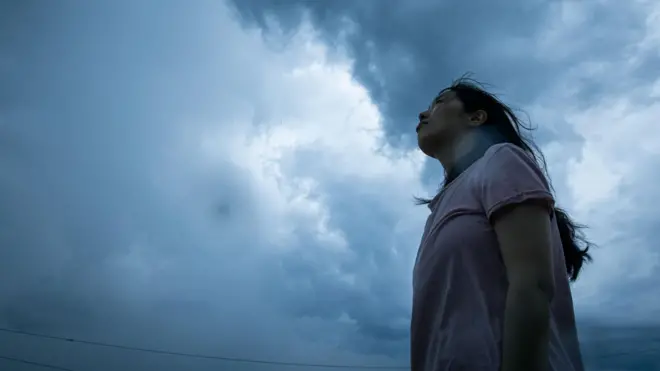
236 179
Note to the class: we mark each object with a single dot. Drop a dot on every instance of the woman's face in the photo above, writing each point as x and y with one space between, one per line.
442 123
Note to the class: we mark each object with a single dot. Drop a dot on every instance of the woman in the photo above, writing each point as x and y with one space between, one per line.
491 280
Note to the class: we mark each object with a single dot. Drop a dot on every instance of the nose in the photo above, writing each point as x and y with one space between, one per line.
423 115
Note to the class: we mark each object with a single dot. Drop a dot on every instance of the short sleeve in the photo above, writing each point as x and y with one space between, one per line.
511 176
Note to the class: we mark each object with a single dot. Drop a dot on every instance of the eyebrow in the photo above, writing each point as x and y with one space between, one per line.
437 97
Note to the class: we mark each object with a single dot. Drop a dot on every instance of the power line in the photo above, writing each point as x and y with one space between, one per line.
196 355
32 363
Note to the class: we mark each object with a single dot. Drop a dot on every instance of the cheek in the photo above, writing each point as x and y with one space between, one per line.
440 120
438 126
447 118
436 129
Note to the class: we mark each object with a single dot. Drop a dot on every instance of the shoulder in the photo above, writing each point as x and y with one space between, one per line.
507 152
509 160
507 175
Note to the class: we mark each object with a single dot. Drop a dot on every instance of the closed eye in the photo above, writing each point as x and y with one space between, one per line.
435 102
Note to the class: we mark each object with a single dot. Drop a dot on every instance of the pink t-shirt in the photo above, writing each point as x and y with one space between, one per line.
459 280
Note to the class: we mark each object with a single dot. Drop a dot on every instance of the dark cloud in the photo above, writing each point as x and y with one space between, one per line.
405 52
361 286
116 229
113 228
94 101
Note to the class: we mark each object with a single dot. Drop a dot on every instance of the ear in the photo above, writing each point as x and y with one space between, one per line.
478 118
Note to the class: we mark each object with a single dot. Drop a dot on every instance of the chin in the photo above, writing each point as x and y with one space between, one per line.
426 145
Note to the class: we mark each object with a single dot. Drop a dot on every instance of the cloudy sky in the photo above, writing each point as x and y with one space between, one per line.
235 179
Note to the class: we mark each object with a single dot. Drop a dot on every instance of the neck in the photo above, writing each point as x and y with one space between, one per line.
456 158
452 154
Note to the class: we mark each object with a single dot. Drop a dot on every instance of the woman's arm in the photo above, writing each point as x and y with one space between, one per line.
523 233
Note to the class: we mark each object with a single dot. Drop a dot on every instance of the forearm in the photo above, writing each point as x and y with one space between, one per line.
526 330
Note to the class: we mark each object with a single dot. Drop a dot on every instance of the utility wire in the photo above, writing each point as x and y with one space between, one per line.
218 358
32 363
196 355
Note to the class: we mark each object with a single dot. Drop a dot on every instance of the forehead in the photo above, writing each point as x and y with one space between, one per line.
445 94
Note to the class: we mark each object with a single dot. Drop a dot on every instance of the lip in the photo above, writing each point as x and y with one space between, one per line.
419 126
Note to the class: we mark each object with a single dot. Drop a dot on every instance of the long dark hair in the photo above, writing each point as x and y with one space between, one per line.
507 127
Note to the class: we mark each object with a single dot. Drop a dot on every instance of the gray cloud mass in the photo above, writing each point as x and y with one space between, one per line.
236 179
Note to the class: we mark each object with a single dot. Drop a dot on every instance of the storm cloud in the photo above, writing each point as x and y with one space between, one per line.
236 179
